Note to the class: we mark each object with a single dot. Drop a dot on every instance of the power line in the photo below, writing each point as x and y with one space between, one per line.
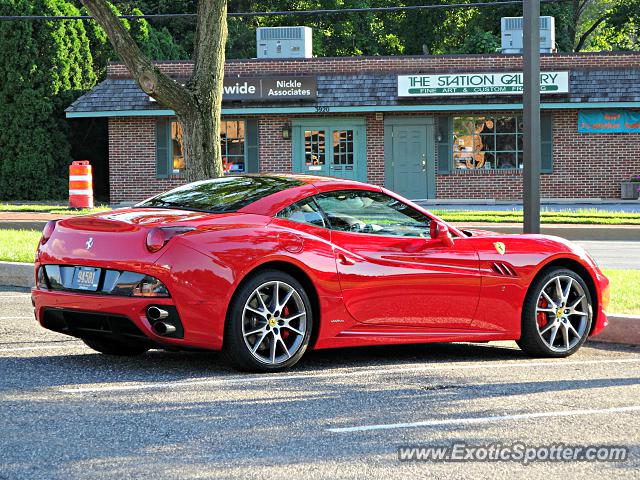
156 16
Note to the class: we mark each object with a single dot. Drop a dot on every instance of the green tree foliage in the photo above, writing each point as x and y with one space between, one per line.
470 30
156 42
606 25
43 67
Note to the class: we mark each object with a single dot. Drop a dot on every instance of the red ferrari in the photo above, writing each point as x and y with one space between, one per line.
265 267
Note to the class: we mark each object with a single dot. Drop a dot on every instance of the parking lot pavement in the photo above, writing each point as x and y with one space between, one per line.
67 412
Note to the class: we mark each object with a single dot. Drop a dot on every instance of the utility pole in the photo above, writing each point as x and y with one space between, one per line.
531 115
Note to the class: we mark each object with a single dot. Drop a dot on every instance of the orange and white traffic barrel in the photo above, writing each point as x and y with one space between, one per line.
80 184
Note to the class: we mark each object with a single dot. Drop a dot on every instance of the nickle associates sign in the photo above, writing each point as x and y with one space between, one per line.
501 83
269 89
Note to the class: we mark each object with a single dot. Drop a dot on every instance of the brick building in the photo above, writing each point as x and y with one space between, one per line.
429 127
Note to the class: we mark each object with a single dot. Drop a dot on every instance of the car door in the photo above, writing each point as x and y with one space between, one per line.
391 271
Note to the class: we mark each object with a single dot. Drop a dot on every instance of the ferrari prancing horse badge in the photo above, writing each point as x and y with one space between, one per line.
500 248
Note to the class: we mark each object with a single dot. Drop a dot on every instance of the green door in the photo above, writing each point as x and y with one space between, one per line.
336 148
412 164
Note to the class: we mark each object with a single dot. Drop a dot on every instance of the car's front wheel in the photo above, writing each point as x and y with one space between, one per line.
269 323
557 314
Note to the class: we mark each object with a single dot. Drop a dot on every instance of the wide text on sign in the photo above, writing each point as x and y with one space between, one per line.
269 88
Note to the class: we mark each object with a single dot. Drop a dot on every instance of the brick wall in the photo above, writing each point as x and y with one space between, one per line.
584 166
375 150
399 64
132 160
275 152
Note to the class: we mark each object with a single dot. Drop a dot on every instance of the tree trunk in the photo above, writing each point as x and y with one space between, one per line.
198 104
199 129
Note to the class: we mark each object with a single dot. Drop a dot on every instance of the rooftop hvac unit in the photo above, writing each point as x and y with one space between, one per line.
284 42
511 33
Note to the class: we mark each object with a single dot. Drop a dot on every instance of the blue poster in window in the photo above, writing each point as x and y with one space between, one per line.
608 121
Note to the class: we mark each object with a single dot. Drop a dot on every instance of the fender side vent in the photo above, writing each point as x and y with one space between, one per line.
503 269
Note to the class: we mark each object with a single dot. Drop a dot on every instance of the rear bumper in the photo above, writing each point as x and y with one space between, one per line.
91 316
200 290
91 325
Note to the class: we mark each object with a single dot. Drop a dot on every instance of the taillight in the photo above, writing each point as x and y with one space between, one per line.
159 236
150 287
47 231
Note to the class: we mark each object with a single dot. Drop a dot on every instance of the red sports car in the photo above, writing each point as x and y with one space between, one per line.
264 267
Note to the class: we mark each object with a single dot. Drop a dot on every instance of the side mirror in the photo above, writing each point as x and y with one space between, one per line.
440 231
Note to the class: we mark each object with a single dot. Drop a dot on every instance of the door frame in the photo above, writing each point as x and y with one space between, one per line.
420 121
359 123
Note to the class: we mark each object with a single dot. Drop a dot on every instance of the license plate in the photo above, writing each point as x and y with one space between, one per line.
86 278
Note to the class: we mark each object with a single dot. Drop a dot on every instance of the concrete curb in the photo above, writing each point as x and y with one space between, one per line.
13 274
23 225
622 329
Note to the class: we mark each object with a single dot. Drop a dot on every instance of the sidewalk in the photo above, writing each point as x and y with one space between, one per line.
629 233
546 205
27 220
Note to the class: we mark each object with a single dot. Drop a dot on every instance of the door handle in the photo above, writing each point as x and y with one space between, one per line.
344 260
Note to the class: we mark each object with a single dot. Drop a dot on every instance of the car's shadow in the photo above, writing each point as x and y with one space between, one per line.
88 367
223 429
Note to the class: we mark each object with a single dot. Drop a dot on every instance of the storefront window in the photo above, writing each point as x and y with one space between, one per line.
314 147
343 147
232 145
487 142
177 160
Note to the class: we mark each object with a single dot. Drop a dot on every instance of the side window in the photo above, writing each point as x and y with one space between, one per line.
304 211
372 213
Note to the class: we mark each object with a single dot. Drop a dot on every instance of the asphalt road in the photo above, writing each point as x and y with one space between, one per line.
67 412
624 255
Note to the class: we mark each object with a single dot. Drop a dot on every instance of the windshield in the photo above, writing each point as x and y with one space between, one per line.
221 195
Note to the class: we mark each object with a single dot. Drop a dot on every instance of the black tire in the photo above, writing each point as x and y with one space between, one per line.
531 340
114 347
236 349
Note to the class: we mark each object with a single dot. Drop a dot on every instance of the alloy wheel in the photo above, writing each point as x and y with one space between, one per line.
274 322
562 313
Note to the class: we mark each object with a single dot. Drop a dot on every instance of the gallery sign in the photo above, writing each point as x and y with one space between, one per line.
269 89
608 121
501 83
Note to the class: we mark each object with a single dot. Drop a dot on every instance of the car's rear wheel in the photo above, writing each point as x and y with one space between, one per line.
269 323
114 347
557 314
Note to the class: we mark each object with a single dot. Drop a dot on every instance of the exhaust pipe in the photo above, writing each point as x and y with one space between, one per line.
163 328
155 313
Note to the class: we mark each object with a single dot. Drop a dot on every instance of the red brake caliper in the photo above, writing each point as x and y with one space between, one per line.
284 332
542 316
